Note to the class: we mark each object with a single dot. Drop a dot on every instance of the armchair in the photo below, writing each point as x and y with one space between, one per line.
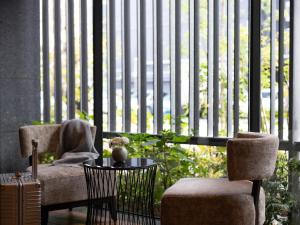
233 201
62 187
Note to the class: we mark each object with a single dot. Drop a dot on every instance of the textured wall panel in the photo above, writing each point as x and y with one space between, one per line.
19 76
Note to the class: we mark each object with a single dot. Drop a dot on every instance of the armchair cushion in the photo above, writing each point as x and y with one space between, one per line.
251 156
48 136
197 201
61 184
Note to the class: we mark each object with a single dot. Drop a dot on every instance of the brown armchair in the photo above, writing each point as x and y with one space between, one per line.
238 200
62 187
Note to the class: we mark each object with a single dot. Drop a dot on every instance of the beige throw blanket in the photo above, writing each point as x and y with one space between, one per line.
76 143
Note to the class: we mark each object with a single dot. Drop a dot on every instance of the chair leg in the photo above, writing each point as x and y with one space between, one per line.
112 202
44 216
255 193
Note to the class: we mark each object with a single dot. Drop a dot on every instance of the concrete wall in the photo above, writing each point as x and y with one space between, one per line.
19 76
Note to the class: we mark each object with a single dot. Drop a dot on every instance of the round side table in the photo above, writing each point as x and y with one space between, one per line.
120 193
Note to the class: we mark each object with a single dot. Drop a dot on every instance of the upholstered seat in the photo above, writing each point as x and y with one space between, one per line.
54 179
215 201
62 186
232 201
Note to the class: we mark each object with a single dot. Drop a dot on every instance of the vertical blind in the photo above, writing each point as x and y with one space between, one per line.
182 65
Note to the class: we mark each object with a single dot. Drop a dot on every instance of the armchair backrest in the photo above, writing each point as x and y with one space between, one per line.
251 156
48 136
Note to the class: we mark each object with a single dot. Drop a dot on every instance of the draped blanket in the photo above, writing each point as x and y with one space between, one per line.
76 143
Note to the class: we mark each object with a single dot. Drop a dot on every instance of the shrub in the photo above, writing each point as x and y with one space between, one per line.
175 159
279 200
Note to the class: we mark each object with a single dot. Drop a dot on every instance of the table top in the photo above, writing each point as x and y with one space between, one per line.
109 163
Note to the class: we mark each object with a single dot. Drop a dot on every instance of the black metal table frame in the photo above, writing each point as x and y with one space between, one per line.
120 195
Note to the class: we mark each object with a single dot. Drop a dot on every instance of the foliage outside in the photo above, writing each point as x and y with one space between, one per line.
279 201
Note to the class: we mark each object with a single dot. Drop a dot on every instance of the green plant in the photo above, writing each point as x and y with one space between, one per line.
279 200
47 157
175 159
171 158
84 116
37 122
